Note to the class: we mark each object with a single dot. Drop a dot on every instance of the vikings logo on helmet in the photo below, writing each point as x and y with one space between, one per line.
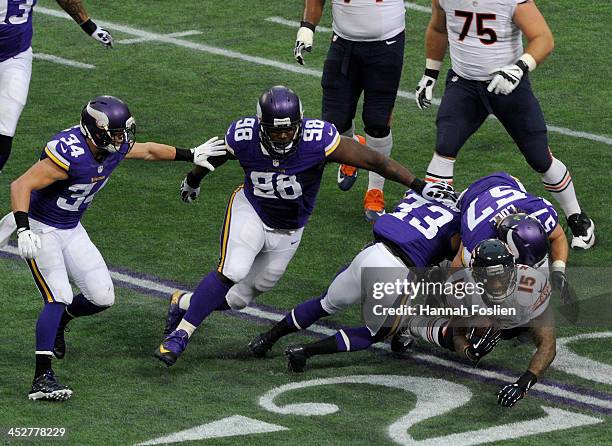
280 114
107 121
526 238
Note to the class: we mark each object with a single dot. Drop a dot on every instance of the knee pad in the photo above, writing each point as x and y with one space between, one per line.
103 296
377 131
267 279
240 296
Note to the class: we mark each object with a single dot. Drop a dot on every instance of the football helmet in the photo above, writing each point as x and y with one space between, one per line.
107 121
280 114
526 238
494 266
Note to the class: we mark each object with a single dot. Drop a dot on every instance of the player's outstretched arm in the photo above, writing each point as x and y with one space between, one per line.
543 330
40 175
355 154
313 10
77 11
152 151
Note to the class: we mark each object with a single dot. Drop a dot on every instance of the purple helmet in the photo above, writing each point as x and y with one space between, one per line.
280 113
107 121
526 238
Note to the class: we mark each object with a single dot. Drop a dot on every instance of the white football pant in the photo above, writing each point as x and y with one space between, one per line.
15 76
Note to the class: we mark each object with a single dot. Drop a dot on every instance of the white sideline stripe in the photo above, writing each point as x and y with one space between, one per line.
293 68
62 61
143 40
262 314
294 24
415 7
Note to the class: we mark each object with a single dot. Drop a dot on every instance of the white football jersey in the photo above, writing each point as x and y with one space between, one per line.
482 36
368 20
529 300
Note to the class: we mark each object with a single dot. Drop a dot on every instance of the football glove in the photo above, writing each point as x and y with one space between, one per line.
303 41
560 284
188 194
510 394
505 79
441 192
480 346
213 147
28 243
99 34
424 91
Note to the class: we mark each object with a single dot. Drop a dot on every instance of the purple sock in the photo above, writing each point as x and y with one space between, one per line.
46 326
306 313
354 339
207 297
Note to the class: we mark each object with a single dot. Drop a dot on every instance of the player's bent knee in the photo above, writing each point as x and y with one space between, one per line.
267 280
538 158
233 274
378 131
103 296
240 296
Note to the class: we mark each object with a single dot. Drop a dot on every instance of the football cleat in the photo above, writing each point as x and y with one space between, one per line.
583 231
374 205
296 358
172 347
59 347
47 387
402 341
175 314
261 344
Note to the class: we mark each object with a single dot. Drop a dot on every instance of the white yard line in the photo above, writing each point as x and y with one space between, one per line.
415 7
293 68
62 61
143 40
294 24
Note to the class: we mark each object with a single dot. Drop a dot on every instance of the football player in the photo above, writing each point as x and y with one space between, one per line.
283 156
366 55
48 202
419 233
490 199
489 75
16 60
505 286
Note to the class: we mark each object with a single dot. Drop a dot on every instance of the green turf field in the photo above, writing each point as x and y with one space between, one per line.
183 90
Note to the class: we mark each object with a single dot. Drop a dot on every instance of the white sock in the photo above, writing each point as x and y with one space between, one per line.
383 146
184 325
558 181
427 327
440 169
184 301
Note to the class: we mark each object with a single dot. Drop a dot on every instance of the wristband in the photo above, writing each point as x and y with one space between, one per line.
308 25
529 62
527 380
22 220
183 155
418 185
432 64
89 26
558 265
432 73
193 181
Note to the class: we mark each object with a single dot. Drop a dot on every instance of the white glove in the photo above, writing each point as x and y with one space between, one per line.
213 147
424 91
303 42
505 79
441 192
103 36
188 193
28 242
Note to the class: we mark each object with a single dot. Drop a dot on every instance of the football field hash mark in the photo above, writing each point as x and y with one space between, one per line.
62 61
145 40
293 68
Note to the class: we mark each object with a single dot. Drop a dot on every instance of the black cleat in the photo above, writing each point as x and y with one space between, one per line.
583 231
59 348
402 341
261 344
47 387
296 358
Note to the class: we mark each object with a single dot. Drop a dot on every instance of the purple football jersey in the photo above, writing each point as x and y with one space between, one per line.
420 228
491 198
15 27
63 203
282 192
